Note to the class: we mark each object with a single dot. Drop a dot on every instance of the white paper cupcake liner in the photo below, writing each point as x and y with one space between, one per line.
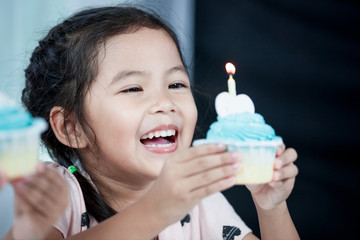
19 149
257 158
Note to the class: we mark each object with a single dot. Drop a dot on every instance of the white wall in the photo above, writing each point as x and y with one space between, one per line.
23 23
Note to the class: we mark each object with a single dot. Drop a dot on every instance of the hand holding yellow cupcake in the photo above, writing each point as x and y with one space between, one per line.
40 199
271 195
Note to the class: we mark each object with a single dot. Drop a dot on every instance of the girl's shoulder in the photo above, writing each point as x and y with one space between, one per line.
60 169
67 175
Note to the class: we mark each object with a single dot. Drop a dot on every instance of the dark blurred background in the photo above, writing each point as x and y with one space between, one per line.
299 61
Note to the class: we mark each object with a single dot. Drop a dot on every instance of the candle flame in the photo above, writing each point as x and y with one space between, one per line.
230 68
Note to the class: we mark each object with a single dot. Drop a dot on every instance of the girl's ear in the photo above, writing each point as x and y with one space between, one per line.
66 130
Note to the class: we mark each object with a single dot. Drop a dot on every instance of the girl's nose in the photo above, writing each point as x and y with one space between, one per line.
162 103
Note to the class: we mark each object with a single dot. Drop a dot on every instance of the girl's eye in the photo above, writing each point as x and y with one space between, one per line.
133 89
177 85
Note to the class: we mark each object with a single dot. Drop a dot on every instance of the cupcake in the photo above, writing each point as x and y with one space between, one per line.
244 131
19 139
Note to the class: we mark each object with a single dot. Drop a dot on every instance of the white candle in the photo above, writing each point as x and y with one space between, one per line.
230 69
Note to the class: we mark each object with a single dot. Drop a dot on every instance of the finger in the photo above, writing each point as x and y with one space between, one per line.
55 186
278 163
203 150
21 206
290 171
216 186
211 176
33 199
41 167
280 149
206 163
55 179
15 181
50 181
279 184
276 184
287 157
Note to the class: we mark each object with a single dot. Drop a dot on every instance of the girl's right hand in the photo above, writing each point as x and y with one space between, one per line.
192 175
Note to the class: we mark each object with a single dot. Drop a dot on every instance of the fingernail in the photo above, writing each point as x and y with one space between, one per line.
27 178
235 165
221 146
41 168
276 176
230 180
280 149
19 185
280 162
234 155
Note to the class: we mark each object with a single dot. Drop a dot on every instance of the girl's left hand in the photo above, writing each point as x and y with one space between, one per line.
269 196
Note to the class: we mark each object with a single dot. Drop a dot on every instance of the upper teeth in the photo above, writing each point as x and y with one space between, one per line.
162 133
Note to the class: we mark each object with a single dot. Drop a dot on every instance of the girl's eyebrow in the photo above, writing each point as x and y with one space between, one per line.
178 68
128 73
125 74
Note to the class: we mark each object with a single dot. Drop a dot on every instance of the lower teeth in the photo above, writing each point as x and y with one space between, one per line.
160 145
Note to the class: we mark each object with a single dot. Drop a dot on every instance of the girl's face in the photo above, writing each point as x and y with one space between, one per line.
140 106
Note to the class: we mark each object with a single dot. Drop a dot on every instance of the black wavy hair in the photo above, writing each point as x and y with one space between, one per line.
62 69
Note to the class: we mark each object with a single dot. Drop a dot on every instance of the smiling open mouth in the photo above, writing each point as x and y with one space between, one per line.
160 141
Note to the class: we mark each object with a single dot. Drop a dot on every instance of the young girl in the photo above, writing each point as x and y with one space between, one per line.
112 84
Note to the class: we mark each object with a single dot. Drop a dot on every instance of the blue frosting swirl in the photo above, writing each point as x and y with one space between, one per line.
12 118
241 127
